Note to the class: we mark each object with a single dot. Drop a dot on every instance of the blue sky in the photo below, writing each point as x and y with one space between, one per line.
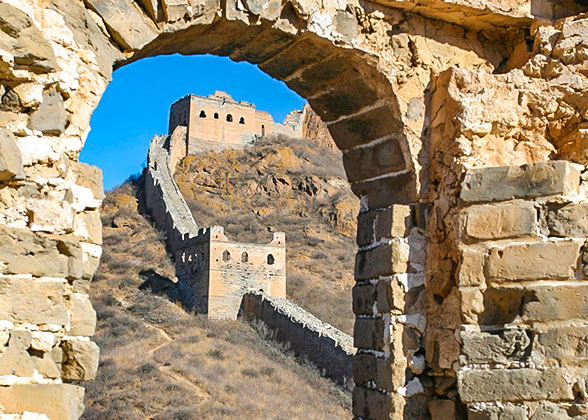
136 104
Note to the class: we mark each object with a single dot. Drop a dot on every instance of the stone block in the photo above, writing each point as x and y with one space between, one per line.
370 333
542 260
89 176
269 10
499 221
527 181
568 221
495 348
393 222
562 344
151 6
80 360
371 161
502 412
365 127
57 401
16 360
367 367
52 216
25 300
91 254
442 410
127 24
39 254
514 385
371 404
545 303
10 159
87 225
83 316
383 192
50 118
470 271
382 260
366 224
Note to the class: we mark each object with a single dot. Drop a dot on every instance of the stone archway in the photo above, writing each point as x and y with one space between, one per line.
385 80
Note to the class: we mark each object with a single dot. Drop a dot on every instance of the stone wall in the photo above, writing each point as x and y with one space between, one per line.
416 93
326 347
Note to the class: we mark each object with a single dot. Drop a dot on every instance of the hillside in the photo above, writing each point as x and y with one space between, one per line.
160 362
289 185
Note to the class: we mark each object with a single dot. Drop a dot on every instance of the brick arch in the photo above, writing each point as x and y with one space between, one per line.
367 70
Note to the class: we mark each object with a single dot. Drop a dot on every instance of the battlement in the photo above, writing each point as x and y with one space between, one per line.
217 122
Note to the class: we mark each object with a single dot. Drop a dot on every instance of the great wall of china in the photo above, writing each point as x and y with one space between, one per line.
468 115
224 278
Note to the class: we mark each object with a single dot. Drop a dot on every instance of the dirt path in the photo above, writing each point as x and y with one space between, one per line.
168 370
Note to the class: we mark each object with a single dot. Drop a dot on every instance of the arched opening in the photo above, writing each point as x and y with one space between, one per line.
229 118
244 257
241 120
270 259
355 98
216 115
226 256
202 114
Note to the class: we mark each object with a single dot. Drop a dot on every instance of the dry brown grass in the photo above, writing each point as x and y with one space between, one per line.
159 362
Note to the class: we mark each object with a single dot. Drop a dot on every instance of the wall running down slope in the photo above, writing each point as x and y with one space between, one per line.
223 294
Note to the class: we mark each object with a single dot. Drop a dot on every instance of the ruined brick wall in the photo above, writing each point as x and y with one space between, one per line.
326 347
415 93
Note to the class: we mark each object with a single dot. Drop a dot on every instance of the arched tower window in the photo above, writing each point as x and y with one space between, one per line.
226 256
241 120
263 131
216 115
202 114
244 257
270 259
229 118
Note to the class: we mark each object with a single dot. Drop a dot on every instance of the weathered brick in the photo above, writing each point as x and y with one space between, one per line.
539 303
514 385
367 367
570 220
562 344
502 412
470 271
88 176
371 404
80 360
10 159
383 192
366 224
527 181
364 299
500 221
442 409
384 157
543 260
365 127
393 222
83 316
57 401
382 260
502 347
32 301
370 333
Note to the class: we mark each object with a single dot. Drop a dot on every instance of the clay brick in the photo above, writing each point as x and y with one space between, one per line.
527 181
562 344
348 99
374 160
543 260
500 221
383 192
57 401
514 385
371 404
365 127
502 347
545 303
367 367
369 333
382 260
570 220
